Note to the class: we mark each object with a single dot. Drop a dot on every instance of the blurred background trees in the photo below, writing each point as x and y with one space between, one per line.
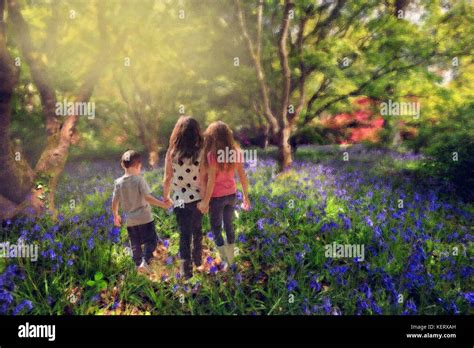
280 72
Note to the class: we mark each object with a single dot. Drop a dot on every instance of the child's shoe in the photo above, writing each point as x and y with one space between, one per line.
229 250
185 269
200 268
144 268
224 266
223 256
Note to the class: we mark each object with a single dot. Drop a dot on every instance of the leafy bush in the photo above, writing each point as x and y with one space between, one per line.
449 150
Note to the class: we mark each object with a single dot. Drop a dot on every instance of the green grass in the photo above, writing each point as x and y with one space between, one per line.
281 267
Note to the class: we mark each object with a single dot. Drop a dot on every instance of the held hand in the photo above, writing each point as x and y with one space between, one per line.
168 203
203 207
117 220
246 204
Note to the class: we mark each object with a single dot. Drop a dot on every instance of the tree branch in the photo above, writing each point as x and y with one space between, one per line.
257 64
285 67
38 69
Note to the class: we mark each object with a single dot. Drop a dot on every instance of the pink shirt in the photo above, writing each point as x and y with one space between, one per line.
225 181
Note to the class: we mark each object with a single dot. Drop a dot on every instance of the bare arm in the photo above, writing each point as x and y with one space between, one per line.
156 202
168 176
115 208
211 180
203 179
243 181
203 206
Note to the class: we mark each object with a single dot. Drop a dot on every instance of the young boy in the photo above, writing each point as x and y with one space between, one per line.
133 194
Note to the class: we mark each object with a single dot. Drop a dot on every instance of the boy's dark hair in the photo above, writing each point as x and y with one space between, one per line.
131 158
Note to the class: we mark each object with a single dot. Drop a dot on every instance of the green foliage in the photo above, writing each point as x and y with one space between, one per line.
98 283
281 242
449 149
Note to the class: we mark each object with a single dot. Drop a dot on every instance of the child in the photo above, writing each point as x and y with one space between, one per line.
220 194
182 171
133 194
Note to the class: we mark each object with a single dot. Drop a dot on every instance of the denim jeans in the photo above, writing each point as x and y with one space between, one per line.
189 220
221 212
142 235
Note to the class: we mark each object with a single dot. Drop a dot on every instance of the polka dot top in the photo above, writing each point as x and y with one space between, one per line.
185 183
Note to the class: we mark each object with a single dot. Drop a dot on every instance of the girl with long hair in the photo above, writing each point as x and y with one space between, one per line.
182 165
222 159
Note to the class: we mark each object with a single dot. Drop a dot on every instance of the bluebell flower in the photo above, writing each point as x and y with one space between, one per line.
25 304
314 284
115 304
327 304
114 234
469 297
298 257
6 299
95 298
347 223
292 285
48 236
90 242
410 307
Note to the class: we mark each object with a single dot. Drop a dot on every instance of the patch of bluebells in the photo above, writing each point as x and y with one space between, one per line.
279 238
10 275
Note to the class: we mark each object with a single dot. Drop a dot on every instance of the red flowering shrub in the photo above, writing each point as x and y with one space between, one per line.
362 124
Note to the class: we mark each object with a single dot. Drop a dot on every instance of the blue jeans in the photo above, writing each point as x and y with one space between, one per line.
221 212
189 220
142 235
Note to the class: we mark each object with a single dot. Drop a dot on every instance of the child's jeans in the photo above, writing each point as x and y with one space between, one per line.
221 211
189 220
142 235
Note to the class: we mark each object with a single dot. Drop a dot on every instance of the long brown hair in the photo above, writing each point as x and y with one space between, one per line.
217 137
186 139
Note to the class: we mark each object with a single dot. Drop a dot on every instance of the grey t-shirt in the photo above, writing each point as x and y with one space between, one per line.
131 192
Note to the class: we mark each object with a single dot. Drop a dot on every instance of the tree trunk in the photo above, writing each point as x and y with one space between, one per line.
284 149
15 173
42 182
